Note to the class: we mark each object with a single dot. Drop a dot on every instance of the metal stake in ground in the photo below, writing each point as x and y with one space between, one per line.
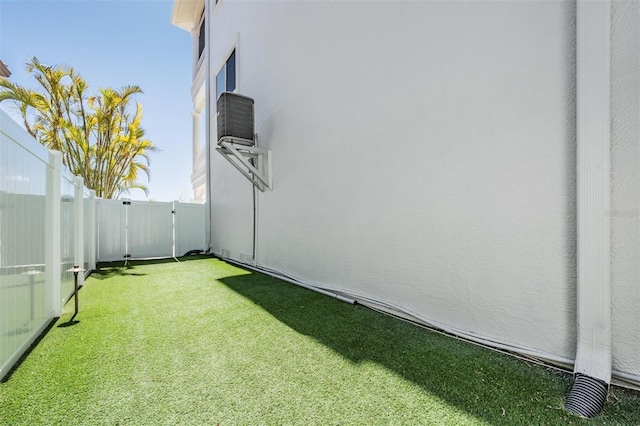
75 271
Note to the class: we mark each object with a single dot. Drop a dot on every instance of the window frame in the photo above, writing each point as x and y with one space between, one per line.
202 37
199 36
229 85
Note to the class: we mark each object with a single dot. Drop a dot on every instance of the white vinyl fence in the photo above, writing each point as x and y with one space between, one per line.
41 236
148 229
50 222
189 224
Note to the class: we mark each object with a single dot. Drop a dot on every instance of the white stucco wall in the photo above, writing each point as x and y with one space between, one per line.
625 186
423 155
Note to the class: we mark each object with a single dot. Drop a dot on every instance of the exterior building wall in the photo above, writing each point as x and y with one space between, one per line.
199 149
625 186
188 14
423 156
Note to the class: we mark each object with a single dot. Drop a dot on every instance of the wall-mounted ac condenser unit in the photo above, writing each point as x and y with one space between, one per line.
235 118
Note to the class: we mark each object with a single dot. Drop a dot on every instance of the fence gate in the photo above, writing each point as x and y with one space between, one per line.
148 229
112 220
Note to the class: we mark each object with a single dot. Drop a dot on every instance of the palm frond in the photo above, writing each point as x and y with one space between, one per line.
100 135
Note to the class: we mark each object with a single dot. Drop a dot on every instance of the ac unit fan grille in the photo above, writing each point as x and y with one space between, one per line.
235 117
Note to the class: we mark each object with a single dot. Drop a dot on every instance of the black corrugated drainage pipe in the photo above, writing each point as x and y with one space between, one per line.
587 396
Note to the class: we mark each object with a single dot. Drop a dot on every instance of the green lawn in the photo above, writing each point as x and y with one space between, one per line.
204 342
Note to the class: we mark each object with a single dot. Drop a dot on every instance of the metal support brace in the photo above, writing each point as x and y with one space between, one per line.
239 155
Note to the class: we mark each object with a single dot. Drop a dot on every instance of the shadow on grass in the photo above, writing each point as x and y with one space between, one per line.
491 386
69 323
105 270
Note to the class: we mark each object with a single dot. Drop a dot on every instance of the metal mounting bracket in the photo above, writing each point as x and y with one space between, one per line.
252 162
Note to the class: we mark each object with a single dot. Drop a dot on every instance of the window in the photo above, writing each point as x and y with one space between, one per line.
201 37
226 78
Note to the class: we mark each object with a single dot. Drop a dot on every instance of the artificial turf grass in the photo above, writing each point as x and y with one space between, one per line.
204 342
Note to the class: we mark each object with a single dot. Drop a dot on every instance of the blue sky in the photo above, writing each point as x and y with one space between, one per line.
112 44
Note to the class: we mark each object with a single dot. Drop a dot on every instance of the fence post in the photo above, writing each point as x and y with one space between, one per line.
78 231
93 230
52 234
174 210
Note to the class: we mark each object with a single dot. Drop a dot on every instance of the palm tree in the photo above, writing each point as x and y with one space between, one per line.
100 137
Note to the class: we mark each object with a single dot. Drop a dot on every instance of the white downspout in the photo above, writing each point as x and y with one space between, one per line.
255 215
207 119
593 355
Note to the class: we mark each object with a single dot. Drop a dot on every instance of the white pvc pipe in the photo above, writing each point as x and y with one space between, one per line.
207 119
526 354
409 316
625 380
255 216
397 312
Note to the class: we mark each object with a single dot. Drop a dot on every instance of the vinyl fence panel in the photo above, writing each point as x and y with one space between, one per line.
189 227
41 236
150 229
111 227
23 297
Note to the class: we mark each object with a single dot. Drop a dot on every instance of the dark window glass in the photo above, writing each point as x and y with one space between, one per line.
201 39
231 72
221 81
226 78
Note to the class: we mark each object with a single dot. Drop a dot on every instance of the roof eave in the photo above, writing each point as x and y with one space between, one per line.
4 71
186 13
